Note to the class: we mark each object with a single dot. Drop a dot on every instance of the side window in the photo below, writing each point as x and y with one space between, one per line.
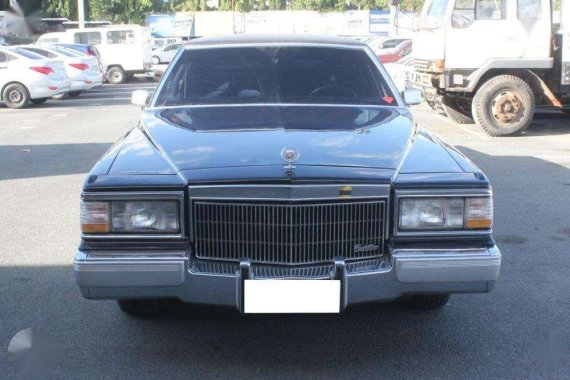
467 11
491 10
463 14
88 38
121 37
529 9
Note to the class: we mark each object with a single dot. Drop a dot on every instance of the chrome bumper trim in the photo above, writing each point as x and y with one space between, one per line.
117 271
116 276
447 266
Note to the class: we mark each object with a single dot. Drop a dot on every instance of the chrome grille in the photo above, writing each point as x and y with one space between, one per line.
288 232
421 64
272 271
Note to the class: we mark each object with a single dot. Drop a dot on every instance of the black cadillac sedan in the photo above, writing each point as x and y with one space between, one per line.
282 174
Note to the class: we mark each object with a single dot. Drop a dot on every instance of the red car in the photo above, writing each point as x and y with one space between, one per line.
393 50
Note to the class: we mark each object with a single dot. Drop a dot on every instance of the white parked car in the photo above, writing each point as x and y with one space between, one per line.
28 77
165 54
125 49
83 71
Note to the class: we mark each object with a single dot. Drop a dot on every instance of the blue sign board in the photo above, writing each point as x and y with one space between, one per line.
379 22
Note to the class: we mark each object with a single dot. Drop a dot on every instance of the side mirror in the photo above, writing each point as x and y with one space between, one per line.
140 98
412 96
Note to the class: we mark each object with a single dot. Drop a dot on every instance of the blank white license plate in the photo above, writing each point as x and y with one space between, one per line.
291 296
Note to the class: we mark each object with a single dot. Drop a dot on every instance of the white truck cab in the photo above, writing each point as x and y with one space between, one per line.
492 61
125 49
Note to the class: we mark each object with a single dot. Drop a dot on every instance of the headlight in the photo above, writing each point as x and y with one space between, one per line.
124 217
445 213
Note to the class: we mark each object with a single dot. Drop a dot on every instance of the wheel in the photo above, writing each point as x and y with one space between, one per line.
116 75
504 106
16 96
427 301
142 308
39 100
458 109
74 94
155 60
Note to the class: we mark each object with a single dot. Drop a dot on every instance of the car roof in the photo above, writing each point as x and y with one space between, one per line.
237 39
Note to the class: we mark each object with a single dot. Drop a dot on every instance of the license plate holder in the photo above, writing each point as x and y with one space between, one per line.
292 296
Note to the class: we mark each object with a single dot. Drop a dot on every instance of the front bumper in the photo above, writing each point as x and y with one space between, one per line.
174 275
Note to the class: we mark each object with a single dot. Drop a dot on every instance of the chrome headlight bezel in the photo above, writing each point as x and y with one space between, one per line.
176 197
460 194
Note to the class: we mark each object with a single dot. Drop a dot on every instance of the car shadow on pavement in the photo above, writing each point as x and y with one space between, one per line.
29 161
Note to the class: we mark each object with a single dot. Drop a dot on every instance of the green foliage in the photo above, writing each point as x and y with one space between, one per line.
133 11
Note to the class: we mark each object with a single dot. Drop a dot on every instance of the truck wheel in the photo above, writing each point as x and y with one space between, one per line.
142 308
116 75
427 301
458 110
504 105
16 96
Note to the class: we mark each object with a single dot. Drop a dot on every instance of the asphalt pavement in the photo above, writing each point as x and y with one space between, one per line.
521 330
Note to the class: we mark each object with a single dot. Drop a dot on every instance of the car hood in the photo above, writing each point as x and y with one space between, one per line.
205 137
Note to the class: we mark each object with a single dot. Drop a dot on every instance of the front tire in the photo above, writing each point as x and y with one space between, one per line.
116 75
155 60
16 96
39 100
458 110
74 94
427 301
504 105
142 308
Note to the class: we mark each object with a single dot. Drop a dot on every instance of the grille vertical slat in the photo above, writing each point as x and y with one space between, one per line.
288 233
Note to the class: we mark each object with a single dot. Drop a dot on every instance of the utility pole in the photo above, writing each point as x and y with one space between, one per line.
81 13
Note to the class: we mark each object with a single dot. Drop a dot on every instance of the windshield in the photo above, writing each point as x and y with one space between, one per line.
433 14
314 75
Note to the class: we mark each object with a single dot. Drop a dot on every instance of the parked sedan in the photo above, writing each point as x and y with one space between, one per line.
85 49
165 54
393 50
28 77
83 71
283 174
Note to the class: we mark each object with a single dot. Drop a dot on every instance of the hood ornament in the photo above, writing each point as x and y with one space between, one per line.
289 155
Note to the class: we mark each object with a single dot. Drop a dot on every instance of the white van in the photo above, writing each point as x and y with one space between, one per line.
125 49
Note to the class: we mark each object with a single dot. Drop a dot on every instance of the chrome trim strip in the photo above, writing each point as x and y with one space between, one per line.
433 266
129 271
286 192
437 193
137 196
